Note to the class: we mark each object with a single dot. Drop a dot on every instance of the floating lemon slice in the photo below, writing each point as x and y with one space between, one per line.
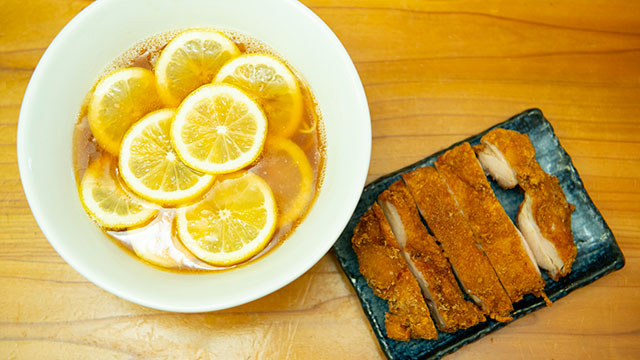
190 60
234 221
285 167
273 84
150 167
106 201
119 100
218 129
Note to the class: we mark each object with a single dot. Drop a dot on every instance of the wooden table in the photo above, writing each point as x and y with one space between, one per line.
434 72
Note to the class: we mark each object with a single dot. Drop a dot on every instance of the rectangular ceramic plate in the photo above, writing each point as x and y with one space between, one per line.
598 252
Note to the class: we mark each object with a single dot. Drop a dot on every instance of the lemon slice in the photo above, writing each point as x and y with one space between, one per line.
234 221
273 84
190 60
150 167
285 167
154 242
106 201
218 129
119 100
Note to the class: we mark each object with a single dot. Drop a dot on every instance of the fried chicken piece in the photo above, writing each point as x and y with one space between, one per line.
494 162
507 151
471 266
545 215
544 218
389 277
501 241
427 262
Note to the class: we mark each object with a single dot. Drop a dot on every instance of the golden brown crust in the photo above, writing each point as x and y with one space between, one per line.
396 328
455 311
456 237
478 148
389 277
494 230
380 261
407 301
551 211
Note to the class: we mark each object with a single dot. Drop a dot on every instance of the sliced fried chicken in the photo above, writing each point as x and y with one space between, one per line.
471 266
427 262
494 162
389 277
545 216
500 240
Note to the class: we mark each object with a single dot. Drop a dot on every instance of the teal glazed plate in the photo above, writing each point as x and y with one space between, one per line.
598 252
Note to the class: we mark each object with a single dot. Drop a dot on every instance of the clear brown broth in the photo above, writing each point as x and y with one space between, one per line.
310 138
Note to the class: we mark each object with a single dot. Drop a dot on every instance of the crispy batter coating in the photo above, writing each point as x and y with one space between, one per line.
498 236
389 277
440 286
550 209
471 266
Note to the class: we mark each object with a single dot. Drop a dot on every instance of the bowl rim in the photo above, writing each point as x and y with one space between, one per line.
40 214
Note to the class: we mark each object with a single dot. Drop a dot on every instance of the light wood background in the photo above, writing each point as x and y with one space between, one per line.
434 72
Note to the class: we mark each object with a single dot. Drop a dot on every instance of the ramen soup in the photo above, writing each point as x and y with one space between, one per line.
198 150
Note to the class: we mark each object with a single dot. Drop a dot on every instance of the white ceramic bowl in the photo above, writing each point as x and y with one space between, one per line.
68 69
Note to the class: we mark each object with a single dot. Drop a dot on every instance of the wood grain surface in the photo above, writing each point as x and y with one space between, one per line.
434 72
